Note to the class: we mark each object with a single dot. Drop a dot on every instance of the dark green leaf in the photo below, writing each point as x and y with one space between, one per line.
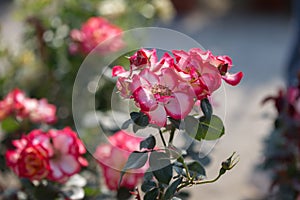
206 108
139 119
148 185
161 165
196 169
135 160
191 125
148 176
210 129
9 125
123 193
148 143
126 124
172 189
152 194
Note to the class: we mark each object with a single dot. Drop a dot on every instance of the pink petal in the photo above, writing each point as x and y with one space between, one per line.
145 99
69 164
117 70
212 81
233 79
180 106
149 76
169 78
56 172
158 116
62 143
165 62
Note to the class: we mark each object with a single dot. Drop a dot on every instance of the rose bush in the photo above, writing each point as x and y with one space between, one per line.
165 92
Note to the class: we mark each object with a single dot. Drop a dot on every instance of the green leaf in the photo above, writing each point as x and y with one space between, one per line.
196 169
210 129
139 119
148 185
206 108
152 194
135 160
10 125
148 176
148 143
191 125
161 165
172 189
126 124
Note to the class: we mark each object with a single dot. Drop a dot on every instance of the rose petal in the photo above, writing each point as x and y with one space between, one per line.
145 99
180 106
149 76
118 71
233 79
69 164
158 116
56 172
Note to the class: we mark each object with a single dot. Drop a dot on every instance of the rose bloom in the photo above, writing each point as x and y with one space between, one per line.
66 158
38 111
93 32
169 88
113 157
55 155
30 159
162 96
204 71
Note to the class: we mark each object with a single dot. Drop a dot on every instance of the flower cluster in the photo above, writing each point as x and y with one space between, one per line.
38 111
54 155
169 87
112 158
93 32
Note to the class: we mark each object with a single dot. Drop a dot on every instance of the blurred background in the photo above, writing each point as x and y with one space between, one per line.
257 34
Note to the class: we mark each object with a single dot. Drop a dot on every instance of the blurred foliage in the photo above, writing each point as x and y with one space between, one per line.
282 147
44 68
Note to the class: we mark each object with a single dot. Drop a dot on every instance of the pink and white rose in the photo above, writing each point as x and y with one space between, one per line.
66 158
55 155
94 31
38 111
30 159
112 158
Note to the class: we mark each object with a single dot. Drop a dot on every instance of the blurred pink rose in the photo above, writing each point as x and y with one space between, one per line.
113 157
30 159
93 32
38 111
66 158
54 155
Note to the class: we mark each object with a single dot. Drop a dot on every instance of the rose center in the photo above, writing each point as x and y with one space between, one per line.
161 90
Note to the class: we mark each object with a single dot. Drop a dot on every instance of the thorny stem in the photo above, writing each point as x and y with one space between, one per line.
172 134
191 182
162 138
226 165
